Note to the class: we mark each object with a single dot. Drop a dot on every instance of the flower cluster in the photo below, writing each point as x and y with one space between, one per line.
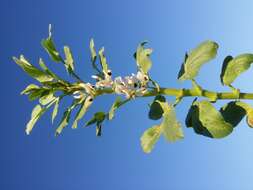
130 86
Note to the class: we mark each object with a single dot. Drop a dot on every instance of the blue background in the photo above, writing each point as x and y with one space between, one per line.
78 159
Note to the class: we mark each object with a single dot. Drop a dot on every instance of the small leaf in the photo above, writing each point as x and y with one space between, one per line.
36 114
103 60
170 127
205 52
65 119
38 93
233 67
156 110
47 70
150 137
56 107
93 51
83 109
31 70
69 62
99 130
249 111
48 45
47 98
118 102
143 58
98 117
30 88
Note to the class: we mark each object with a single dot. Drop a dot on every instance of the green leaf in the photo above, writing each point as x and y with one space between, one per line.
233 67
249 111
150 137
47 70
56 107
117 103
156 111
65 119
143 58
233 113
93 51
30 88
98 117
69 62
170 127
103 60
207 121
83 109
44 100
205 52
31 70
38 93
49 46
36 114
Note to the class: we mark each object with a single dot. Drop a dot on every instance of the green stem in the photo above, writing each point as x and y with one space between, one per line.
189 93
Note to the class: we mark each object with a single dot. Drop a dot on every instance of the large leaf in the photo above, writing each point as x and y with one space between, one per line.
205 52
170 127
156 111
83 109
150 137
32 71
48 45
233 67
207 121
36 114
69 62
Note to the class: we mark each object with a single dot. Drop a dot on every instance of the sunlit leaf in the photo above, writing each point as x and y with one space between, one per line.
118 102
55 110
103 60
36 114
170 127
65 119
83 109
233 67
48 45
32 71
150 137
30 88
93 51
69 62
143 58
207 121
203 53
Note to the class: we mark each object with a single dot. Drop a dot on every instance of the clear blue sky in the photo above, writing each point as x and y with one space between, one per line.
78 159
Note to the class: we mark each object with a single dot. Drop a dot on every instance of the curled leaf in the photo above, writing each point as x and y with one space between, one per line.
233 67
203 53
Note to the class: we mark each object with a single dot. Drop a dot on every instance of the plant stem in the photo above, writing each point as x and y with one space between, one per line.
189 93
